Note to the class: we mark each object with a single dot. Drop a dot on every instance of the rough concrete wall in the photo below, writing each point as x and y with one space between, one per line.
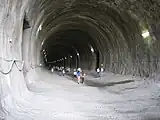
113 24
11 79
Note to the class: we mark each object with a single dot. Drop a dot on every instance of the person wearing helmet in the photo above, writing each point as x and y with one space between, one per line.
79 69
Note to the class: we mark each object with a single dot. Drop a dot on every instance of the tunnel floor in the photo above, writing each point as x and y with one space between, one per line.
56 97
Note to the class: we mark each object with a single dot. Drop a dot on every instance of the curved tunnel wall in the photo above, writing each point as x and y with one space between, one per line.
116 34
113 27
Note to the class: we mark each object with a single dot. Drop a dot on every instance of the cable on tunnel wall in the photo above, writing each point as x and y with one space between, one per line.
14 61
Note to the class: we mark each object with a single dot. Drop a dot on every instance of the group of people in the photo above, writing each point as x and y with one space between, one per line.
60 69
79 75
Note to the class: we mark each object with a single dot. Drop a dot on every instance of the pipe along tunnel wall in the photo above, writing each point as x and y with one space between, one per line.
113 29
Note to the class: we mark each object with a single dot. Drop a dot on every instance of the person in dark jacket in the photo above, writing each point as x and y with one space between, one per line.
82 77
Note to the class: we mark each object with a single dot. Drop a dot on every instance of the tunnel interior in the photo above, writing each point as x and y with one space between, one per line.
70 48
77 37
121 35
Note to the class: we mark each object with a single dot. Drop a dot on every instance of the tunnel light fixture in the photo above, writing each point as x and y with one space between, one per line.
40 28
77 54
70 56
145 34
43 50
42 43
65 58
92 50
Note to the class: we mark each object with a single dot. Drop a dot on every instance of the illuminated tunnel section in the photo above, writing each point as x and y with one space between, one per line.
71 48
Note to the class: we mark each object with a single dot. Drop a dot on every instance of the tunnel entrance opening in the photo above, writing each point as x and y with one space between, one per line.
72 48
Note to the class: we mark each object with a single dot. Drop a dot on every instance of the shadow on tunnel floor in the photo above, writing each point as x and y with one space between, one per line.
151 118
98 84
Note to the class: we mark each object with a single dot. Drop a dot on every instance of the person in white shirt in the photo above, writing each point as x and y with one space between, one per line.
52 70
102 70
98 71
63 72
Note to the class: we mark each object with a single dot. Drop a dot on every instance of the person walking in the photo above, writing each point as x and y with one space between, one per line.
82 77
78 75
52 69
63 72
98 72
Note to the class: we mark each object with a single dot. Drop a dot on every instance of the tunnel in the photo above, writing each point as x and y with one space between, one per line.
71 48
122 36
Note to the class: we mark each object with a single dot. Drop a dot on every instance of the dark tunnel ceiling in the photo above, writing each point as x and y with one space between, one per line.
68 42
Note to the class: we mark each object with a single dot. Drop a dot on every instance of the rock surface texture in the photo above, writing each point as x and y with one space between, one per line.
77 33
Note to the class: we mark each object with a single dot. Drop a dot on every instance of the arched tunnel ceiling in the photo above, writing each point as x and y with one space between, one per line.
114 27
72 40
67 44
31 30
